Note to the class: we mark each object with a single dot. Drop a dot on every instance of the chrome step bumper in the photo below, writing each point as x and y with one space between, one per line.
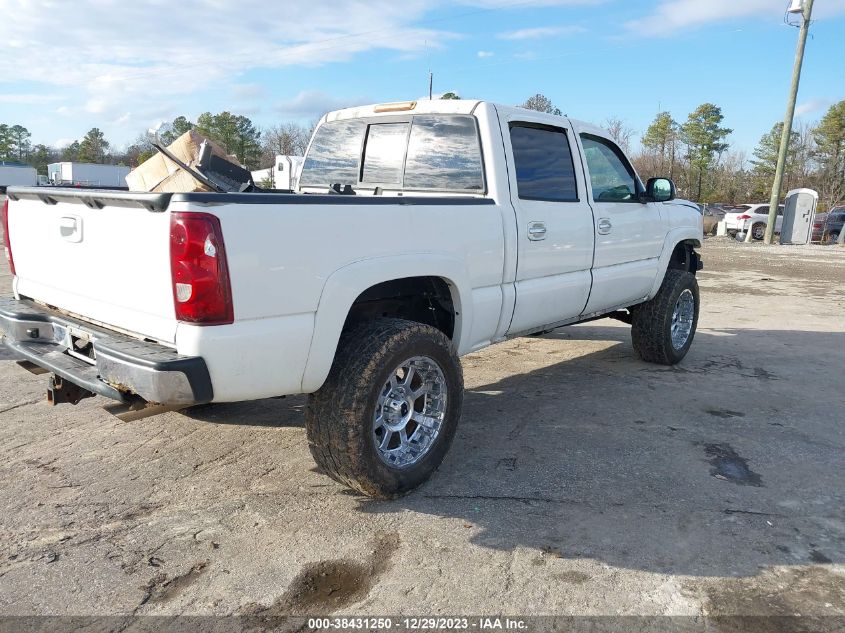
115 365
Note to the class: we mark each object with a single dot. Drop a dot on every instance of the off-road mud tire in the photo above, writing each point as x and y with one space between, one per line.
651 322
339 416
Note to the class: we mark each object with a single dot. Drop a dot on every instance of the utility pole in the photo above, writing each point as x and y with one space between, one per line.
430 83
806 12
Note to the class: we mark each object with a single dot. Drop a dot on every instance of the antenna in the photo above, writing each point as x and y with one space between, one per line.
430 74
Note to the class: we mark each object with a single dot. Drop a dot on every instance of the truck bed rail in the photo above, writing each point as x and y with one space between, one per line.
158 202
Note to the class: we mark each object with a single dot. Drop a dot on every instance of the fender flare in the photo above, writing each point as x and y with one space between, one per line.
346 284
673 238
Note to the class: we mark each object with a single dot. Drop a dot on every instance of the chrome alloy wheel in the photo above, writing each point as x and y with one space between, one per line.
410 412
682 318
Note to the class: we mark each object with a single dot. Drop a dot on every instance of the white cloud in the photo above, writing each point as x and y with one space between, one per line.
96 106
248 91
28 98
313 103
485 54
673 15
541 32
516 5
812 106
117 56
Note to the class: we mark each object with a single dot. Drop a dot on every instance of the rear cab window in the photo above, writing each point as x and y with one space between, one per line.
384 153
333 154
413 153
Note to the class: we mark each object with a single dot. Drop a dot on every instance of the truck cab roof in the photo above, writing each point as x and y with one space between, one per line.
449 106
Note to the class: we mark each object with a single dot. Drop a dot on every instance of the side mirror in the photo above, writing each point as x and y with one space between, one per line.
659 190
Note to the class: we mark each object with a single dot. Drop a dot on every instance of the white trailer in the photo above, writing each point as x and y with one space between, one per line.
87 174
284 173
12 173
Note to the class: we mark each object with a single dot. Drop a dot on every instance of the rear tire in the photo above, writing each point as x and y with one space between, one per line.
388 411
663 328
758 231
833 237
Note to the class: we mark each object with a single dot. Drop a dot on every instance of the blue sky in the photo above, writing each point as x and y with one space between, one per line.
66 67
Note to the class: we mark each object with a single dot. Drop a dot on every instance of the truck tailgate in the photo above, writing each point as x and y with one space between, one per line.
101 258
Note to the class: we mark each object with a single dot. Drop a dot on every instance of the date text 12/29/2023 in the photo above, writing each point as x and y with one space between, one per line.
493 623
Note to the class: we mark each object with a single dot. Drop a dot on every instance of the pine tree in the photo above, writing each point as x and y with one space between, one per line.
704 137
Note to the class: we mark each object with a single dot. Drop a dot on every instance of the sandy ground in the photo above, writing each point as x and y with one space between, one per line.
581 481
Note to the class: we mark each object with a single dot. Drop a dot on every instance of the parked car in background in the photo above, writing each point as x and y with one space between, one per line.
753 217
713 214
828 226
818 226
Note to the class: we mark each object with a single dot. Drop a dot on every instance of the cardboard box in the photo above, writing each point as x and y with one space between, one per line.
159 174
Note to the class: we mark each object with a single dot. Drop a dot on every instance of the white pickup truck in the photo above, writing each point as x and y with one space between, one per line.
419 232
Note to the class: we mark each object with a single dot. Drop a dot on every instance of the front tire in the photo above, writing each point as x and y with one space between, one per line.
388 411
663 328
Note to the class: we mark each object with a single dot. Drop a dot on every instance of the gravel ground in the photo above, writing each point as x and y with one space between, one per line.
581 481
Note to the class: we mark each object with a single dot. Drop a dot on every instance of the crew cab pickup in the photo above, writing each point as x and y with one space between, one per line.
419 232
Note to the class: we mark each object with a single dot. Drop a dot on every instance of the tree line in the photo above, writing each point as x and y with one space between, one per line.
696 154
237 134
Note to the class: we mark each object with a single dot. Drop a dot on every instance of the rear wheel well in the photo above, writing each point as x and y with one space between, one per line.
422 299
685 258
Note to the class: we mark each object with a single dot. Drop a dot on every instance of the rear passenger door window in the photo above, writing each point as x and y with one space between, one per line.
543 160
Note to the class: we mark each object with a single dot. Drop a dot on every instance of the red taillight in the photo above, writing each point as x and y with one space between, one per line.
200 276
744 217
6 237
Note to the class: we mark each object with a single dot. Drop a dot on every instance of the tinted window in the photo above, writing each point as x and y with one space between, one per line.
444 153
333 155
384 153
543 159
611 178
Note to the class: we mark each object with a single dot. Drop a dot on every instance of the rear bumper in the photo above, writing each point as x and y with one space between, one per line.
122 368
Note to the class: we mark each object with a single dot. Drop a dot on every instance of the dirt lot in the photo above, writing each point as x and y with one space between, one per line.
581 481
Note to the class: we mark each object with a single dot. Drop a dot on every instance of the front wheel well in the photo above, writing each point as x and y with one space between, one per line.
684 257
425 300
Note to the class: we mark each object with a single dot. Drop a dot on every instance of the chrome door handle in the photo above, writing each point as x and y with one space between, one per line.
604 226
536 231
